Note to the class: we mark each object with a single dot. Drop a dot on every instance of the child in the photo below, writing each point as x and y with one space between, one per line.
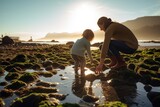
79 48
118 38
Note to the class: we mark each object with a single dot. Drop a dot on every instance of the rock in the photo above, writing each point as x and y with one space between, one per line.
148 88
3 83
1 71
19 58
16 85
90 77
7 41
58 96
90 98
28 77
35 100
41 89
42 83
12 75
131 67
1 103
6 93
155 82
154 97
47 63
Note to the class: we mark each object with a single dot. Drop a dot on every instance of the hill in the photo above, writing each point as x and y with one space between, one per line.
145 28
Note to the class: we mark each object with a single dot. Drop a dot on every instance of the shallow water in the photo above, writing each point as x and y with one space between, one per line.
75 91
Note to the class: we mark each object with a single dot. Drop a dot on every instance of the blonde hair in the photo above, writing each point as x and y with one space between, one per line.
88 34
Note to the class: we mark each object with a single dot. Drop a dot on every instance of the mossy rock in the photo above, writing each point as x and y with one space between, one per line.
9 67
41 89
55 65
61 66
19 58
58 96
47 63
6 93
131 66
3 83
42 83
113 104
34 100
150 62
90 98
45 74
1 102
46 103
16 85
28 77
69 105
1 71
12 75
157 59
155 82
154 68
144 66
36 67
5 63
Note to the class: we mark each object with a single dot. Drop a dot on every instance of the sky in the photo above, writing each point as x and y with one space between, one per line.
39 17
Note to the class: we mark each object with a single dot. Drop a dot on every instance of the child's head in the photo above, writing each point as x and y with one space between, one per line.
103 22
88 34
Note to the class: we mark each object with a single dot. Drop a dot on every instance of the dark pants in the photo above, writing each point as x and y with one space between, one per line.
79 61
115 47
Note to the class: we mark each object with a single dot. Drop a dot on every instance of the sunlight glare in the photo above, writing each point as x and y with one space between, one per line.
82 17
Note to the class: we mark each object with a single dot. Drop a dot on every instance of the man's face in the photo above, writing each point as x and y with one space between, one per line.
101 26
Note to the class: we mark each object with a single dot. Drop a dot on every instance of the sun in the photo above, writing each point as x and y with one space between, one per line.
83 16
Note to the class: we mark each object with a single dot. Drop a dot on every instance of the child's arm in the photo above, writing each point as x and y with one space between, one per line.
89 52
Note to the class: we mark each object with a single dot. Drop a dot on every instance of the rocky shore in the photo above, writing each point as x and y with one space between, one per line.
143 66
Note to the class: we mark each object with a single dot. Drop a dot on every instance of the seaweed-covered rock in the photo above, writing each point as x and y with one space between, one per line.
35 100
113 104
36 67
19 58
1 102
6 93
90 98
3 83
150 62
131 66
12 75
47 63
154 67
42 83
68 105
41 89
16 85
5 63
155 81
1 71
28 77
58 96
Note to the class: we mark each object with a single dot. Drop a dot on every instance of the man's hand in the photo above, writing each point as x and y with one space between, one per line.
99 68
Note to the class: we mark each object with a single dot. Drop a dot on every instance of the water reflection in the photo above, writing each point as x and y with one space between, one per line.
119 87
78 86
